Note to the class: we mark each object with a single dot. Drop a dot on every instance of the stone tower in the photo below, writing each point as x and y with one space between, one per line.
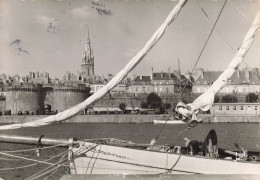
87 65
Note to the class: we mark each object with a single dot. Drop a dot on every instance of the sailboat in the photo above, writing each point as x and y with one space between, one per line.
113 156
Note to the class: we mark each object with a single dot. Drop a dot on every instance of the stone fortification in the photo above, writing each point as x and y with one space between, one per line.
62 97
23 97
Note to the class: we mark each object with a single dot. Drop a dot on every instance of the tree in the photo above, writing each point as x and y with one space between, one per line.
122 106
251 97
144 105
216 99
153 100
229 99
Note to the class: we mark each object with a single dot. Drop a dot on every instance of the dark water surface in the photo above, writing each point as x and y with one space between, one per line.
245 134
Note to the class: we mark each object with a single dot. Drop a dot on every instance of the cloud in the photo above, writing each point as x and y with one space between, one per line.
81 12
44 20
47 23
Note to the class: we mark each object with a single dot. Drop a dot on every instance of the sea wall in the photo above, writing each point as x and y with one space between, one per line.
128 119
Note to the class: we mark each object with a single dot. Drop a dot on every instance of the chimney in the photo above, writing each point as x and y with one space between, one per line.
238 73
247 75
134 76
151 76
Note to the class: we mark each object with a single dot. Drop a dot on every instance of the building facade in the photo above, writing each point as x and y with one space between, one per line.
162 83
235 109
242 82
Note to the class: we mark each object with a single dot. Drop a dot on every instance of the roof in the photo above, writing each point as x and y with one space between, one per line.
142 80
164 76
239 77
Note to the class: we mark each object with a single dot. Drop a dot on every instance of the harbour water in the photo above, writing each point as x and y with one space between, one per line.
245 134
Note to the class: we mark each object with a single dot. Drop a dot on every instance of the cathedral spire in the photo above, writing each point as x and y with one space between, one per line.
88 57
87 66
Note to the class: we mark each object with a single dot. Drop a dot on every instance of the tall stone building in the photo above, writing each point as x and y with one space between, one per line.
87 66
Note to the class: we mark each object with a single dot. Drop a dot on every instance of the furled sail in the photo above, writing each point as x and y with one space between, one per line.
205 101
116 80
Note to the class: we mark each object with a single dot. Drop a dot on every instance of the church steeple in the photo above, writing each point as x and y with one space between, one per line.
87 66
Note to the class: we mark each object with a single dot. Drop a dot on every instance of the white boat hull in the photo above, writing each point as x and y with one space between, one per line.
155 121
107 159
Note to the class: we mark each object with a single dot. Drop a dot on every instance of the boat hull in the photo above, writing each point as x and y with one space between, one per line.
155 121
108 159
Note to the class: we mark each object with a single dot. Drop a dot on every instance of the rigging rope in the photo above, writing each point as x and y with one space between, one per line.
116 80
25 166
33 149
233 50
209 35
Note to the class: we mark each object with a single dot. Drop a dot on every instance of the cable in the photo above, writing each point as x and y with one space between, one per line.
233 50
239 11
209 35
33 149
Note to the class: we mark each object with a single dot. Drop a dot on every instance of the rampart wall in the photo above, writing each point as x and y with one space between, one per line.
23 98
64 97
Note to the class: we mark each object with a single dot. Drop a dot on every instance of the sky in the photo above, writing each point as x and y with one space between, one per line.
49 35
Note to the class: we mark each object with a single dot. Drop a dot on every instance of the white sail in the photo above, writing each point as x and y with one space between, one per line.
116 80
205 101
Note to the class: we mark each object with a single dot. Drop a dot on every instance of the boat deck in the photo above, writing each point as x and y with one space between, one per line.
164 177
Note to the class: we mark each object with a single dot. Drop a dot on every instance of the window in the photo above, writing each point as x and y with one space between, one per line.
160 88
136 89
256 108
241 108
154 82
155 88
234 108
167 82
227 108
220 108
148 89
160 82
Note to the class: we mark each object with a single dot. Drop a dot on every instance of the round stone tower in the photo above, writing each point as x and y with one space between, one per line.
62 97
23 98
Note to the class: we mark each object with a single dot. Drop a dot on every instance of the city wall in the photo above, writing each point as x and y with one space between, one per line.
128 119
62 98
135 100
